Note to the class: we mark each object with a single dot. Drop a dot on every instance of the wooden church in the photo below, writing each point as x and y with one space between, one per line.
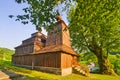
51 53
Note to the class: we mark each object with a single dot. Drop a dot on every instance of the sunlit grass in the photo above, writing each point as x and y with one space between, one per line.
37 75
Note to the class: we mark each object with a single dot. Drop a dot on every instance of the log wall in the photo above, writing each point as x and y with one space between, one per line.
22 60
43 60
24 50
56 60
47 60
66 60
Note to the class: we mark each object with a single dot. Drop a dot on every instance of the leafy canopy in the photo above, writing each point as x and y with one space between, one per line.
41 13
95 24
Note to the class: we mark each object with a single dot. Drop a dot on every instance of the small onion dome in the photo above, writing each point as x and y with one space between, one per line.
59 18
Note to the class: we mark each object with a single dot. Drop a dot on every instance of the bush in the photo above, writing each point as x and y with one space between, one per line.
117 66
115 61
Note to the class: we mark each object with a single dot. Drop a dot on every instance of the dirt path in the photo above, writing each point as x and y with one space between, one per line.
5 75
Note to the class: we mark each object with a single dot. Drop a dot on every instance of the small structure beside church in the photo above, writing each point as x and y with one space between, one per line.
52 53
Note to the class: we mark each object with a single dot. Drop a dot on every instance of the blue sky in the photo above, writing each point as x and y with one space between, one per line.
11 32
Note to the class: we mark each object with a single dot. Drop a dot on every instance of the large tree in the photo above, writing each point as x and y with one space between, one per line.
95 27
94 24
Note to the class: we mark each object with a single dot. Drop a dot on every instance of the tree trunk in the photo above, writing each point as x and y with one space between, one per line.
104 65
103 61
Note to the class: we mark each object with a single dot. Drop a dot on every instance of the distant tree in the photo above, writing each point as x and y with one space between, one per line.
118 55
1 54
89 56
115 61
117 66
86 58
95 27
6 53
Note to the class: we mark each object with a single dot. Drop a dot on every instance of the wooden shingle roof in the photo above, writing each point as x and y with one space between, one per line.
57 48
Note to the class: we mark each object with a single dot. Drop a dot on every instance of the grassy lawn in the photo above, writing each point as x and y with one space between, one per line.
37 75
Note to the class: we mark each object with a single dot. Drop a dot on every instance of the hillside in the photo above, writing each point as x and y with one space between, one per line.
6 53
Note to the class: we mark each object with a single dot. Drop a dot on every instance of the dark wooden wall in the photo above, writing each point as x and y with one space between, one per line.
47 60
55 60
22 60
24 50
43 60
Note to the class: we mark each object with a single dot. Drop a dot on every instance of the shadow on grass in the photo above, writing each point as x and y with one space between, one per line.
7 66
13 75
23 73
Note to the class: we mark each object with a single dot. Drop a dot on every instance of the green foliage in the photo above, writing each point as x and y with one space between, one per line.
88 57
115 61
6 53
117 66
95 23
41 13
118 55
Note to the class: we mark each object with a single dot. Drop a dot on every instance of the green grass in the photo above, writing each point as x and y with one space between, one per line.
37 75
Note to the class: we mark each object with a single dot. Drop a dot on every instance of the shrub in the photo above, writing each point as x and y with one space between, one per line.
117 66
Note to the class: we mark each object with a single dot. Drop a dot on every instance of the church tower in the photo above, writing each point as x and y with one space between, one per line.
59 35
